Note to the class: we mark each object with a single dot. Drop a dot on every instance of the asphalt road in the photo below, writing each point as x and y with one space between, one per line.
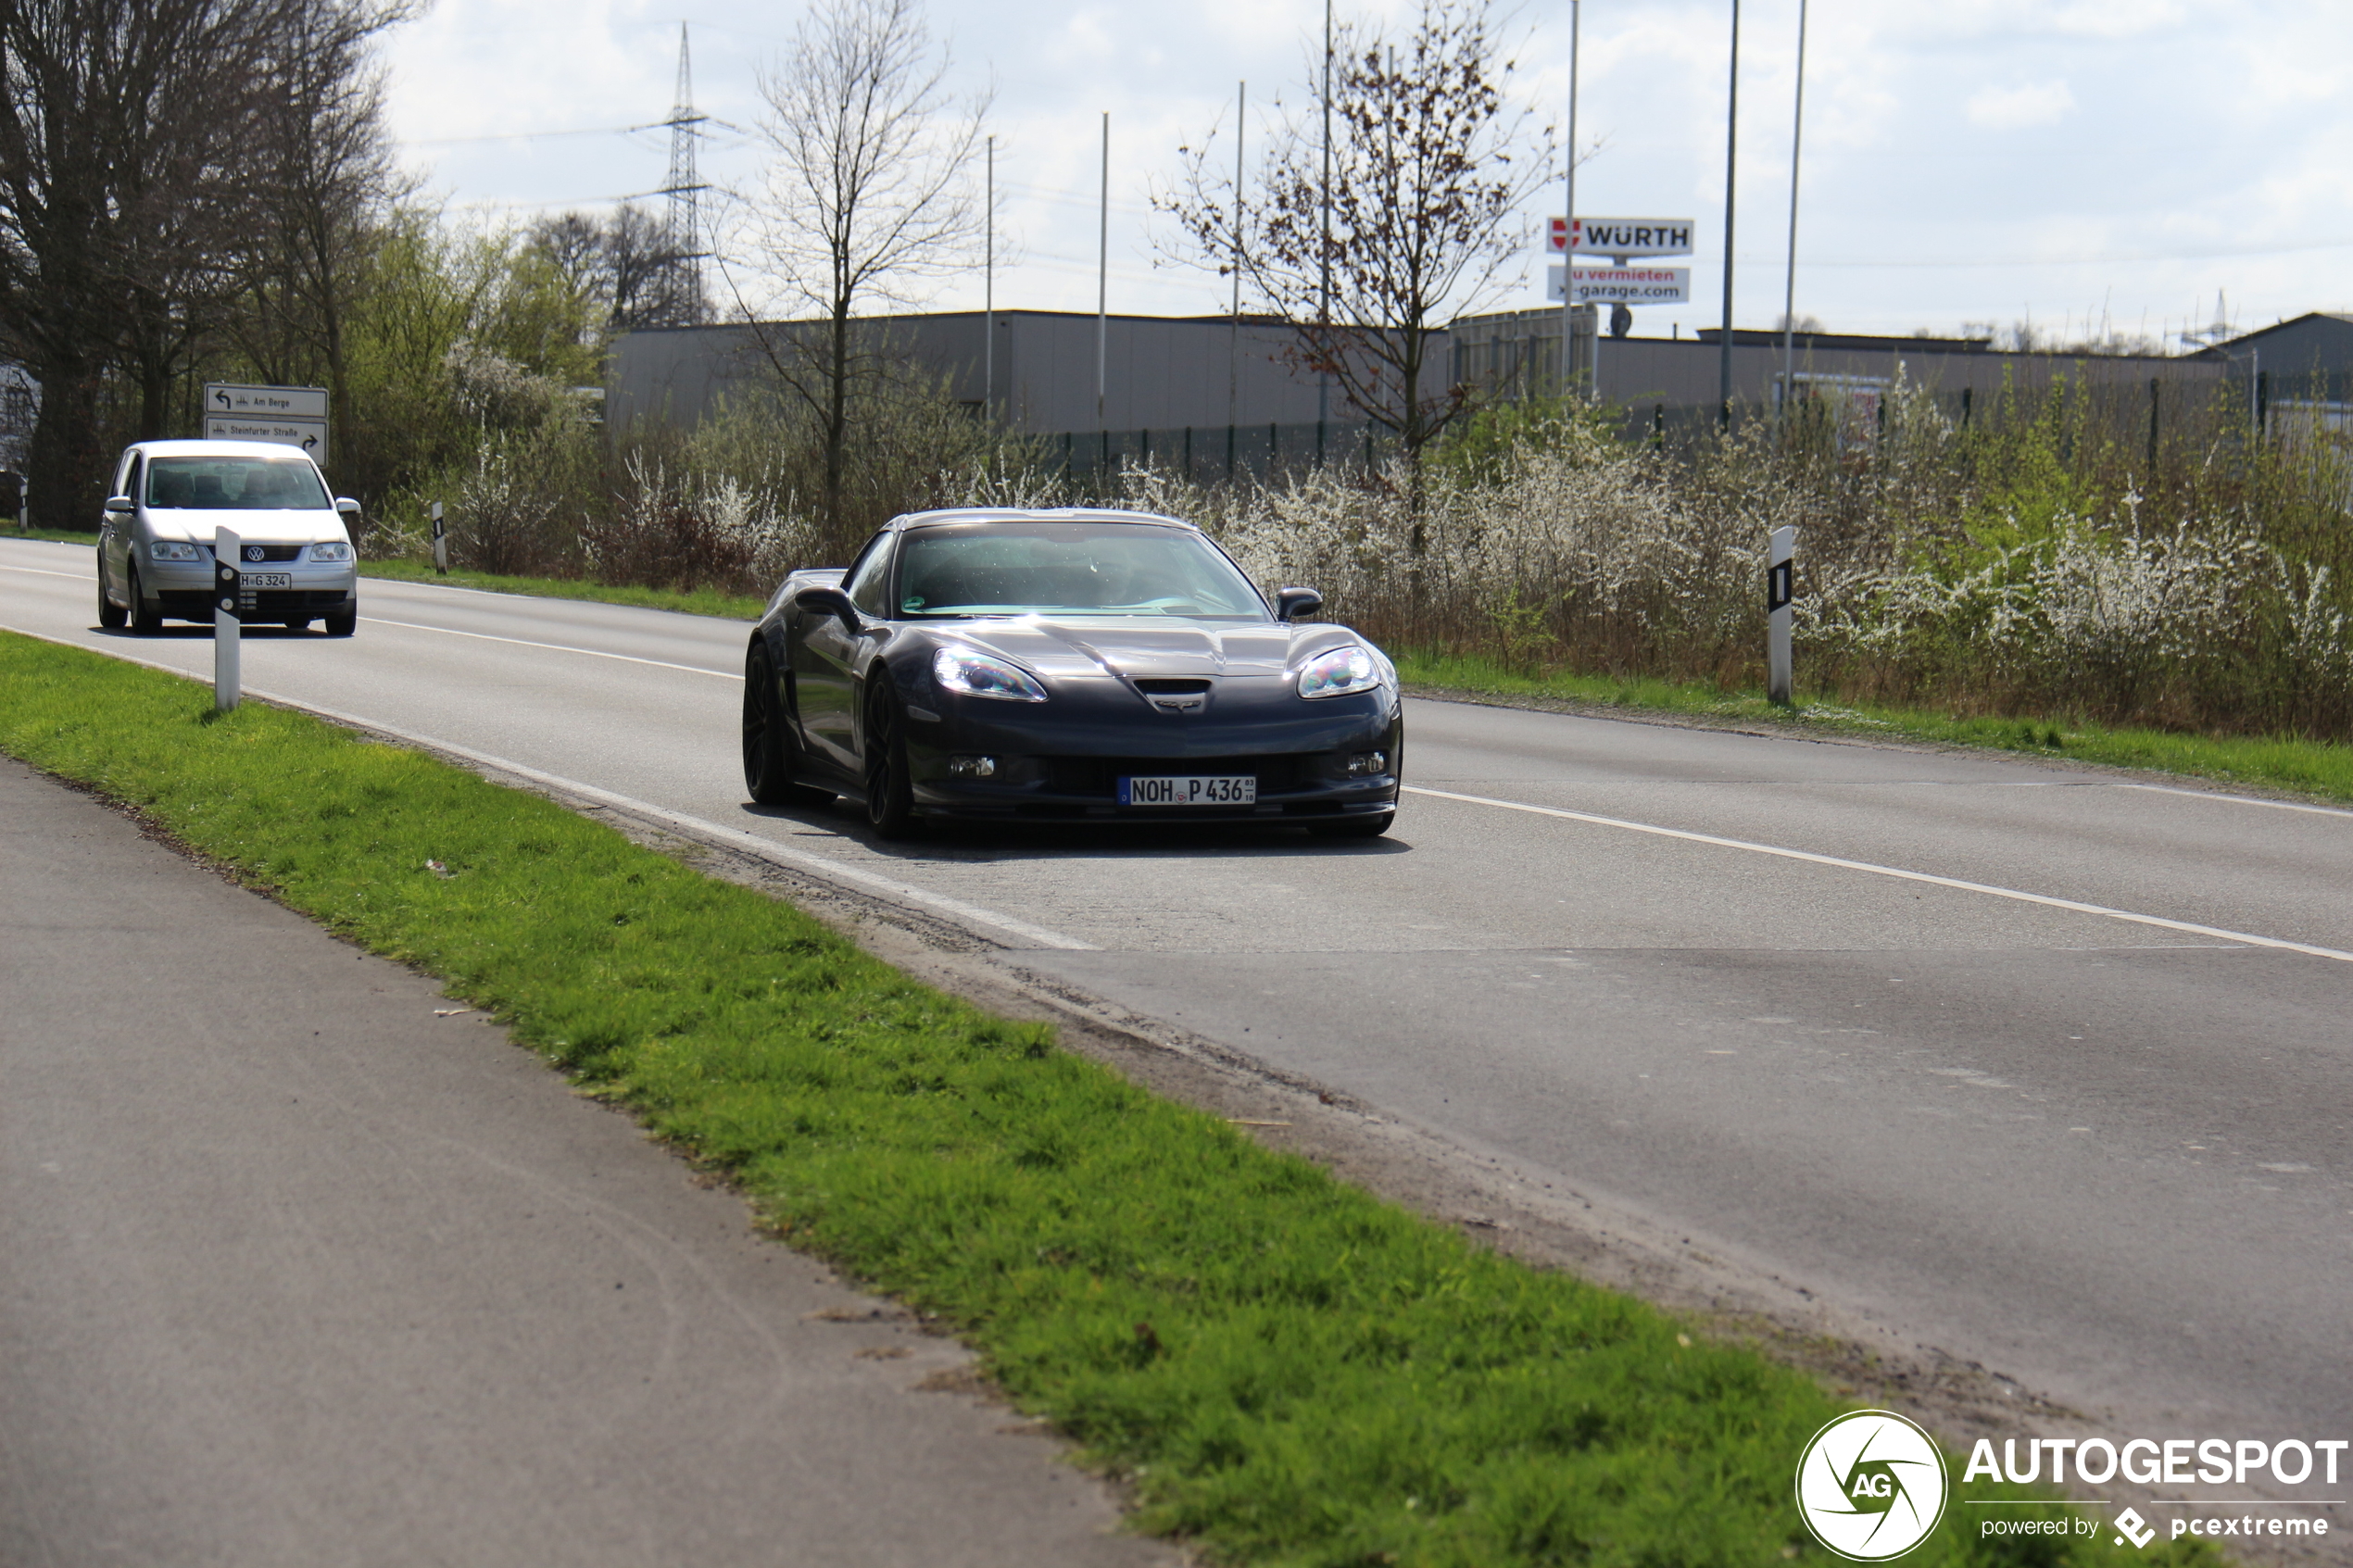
299 1266
2038 1066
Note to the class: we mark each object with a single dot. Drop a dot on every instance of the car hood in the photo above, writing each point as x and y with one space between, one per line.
1124 645
278 526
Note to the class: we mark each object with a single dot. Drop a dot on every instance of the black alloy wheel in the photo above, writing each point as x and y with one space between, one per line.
110 615
342 622
145 622
890 797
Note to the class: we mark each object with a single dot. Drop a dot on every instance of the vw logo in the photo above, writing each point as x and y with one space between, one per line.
254 552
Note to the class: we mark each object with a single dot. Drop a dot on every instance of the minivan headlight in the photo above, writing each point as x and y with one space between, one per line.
333 549
979 674
1339 671
173 549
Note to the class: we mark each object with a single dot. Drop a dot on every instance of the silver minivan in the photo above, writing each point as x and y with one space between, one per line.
155 543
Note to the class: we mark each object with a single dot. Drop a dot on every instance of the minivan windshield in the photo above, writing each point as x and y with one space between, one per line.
234 484
1070 569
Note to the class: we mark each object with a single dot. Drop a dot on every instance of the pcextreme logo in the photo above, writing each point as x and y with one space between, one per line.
1871 1485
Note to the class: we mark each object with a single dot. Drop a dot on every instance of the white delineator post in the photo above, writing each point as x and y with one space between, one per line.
1780 569
228 679
440 543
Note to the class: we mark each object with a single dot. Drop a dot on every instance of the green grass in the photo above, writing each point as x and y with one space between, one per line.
2306 767
1286 1369
54 536
701 601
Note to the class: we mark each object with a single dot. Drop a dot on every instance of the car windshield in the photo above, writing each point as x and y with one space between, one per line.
1070 568
234 483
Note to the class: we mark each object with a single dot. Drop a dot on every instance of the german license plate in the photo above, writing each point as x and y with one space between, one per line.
265 580
1188 789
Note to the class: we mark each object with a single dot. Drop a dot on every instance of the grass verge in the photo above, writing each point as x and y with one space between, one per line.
1288 1370
54 535
2305 767
701 601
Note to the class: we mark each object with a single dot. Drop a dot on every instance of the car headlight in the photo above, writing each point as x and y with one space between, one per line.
173 549
1339 671
979 674
333 549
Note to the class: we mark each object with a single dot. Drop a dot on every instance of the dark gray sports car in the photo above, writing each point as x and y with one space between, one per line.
1066 666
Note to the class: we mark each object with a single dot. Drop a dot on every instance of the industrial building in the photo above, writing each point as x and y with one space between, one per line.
1224 391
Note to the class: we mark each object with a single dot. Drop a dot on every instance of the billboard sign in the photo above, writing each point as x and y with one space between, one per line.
1626 285
1620 236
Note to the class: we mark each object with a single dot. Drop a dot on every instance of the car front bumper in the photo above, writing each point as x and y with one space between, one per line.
1065 765
182 590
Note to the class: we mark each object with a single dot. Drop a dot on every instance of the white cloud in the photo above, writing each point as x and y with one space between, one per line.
2115 19
2166 149
2020 108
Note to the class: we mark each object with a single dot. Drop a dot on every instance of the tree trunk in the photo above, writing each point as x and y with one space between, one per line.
67 462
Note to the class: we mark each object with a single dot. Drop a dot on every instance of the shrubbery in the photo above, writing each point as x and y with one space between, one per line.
2031 561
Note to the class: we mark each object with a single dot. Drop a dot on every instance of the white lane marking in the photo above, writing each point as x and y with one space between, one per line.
766 849
2239 799
2246 939
36 571
554 647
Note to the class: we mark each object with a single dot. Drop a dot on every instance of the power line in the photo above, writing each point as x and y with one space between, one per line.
521 135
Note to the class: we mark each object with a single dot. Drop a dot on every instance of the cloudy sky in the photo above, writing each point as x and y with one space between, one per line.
2074 162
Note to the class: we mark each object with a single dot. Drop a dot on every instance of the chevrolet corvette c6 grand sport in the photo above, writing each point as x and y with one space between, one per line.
1066 666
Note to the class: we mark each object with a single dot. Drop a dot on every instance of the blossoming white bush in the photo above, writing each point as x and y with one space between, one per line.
1583 551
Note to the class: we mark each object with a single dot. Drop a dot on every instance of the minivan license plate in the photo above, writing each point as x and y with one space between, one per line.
265 580
1186 789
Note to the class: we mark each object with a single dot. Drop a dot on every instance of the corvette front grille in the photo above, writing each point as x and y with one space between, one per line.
1100 775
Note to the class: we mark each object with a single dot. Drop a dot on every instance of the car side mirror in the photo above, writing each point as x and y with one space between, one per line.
1293 603
828 601
118 504
347 507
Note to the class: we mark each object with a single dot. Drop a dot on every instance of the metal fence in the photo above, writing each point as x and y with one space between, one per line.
1215 454
1851 410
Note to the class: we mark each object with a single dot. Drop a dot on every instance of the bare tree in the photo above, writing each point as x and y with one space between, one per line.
627 264
331 181
867 191
1430 166
649 288
125 134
